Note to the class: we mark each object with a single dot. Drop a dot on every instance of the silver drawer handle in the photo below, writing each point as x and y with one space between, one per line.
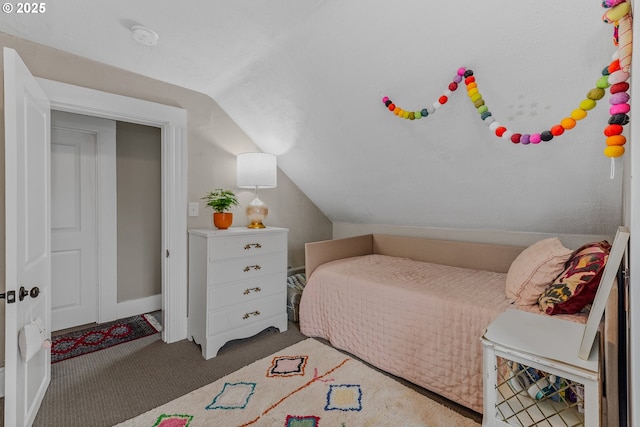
255 245
249 267
248 291
254 313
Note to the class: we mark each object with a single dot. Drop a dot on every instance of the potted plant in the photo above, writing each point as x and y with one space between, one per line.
221 201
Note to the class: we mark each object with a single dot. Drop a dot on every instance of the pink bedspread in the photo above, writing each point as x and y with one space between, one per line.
425 327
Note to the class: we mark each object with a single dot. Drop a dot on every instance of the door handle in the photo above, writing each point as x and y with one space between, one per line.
23 292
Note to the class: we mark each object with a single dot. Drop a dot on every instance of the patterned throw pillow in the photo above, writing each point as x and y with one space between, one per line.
577 285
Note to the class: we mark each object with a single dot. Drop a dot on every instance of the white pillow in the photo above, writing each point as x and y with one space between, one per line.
534 269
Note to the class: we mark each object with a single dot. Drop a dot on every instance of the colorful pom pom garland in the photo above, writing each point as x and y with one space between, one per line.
612 77
619 100
496 127
618 12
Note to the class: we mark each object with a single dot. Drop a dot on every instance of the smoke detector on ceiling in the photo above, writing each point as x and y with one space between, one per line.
144 35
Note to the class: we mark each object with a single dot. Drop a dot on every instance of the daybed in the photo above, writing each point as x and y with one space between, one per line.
417 307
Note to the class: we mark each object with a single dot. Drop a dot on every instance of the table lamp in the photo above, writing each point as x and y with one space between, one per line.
257 170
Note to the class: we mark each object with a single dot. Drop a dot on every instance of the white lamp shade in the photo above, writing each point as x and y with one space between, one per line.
257 170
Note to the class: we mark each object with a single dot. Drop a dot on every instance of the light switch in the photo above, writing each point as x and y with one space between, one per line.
193 208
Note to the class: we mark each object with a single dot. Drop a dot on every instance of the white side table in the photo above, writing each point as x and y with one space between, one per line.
523 352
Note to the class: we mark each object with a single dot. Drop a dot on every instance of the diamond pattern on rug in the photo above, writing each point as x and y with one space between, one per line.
233 396
173 420
287 366
301 421
344 397
100 336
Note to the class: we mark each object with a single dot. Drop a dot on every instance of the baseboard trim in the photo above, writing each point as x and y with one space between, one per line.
139 306
2 382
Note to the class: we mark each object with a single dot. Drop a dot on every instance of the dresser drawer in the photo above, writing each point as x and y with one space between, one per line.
247 291
262 308
246 246
246 268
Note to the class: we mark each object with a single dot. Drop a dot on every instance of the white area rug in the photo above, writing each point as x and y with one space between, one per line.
306 385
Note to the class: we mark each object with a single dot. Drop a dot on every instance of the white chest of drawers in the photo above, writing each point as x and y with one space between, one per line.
237 284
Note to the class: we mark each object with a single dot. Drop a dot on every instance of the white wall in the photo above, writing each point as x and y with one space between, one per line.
138 166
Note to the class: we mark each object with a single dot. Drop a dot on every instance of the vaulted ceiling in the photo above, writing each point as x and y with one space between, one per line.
305 79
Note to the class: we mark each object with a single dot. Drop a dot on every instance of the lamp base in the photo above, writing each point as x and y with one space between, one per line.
256 211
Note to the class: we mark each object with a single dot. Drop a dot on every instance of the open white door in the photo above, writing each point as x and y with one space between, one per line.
28 236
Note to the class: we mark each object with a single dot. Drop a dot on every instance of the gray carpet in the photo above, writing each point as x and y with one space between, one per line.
118 383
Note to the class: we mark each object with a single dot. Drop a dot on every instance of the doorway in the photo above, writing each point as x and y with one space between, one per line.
106 195
138 176
172 124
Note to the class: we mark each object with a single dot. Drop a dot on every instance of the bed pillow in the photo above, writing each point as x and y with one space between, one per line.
577 285
534 269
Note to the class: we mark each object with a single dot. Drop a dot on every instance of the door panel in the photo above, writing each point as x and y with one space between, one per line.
66 283
28 243
65 185
73 226
77 141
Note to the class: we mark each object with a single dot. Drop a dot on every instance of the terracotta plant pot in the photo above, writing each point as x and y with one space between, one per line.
222 220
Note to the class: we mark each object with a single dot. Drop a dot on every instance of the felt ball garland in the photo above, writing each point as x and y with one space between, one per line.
618 12
619 100
614 77
618 110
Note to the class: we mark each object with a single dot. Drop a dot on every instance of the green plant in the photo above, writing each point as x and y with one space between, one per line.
221 200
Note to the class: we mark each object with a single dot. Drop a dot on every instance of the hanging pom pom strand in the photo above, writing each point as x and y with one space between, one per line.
612 76
618 99
615 76
618 12
430 109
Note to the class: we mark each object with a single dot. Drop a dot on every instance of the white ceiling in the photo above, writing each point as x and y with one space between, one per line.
304 79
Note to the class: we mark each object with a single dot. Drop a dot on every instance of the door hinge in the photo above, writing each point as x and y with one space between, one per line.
625 288
10 297
167 254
